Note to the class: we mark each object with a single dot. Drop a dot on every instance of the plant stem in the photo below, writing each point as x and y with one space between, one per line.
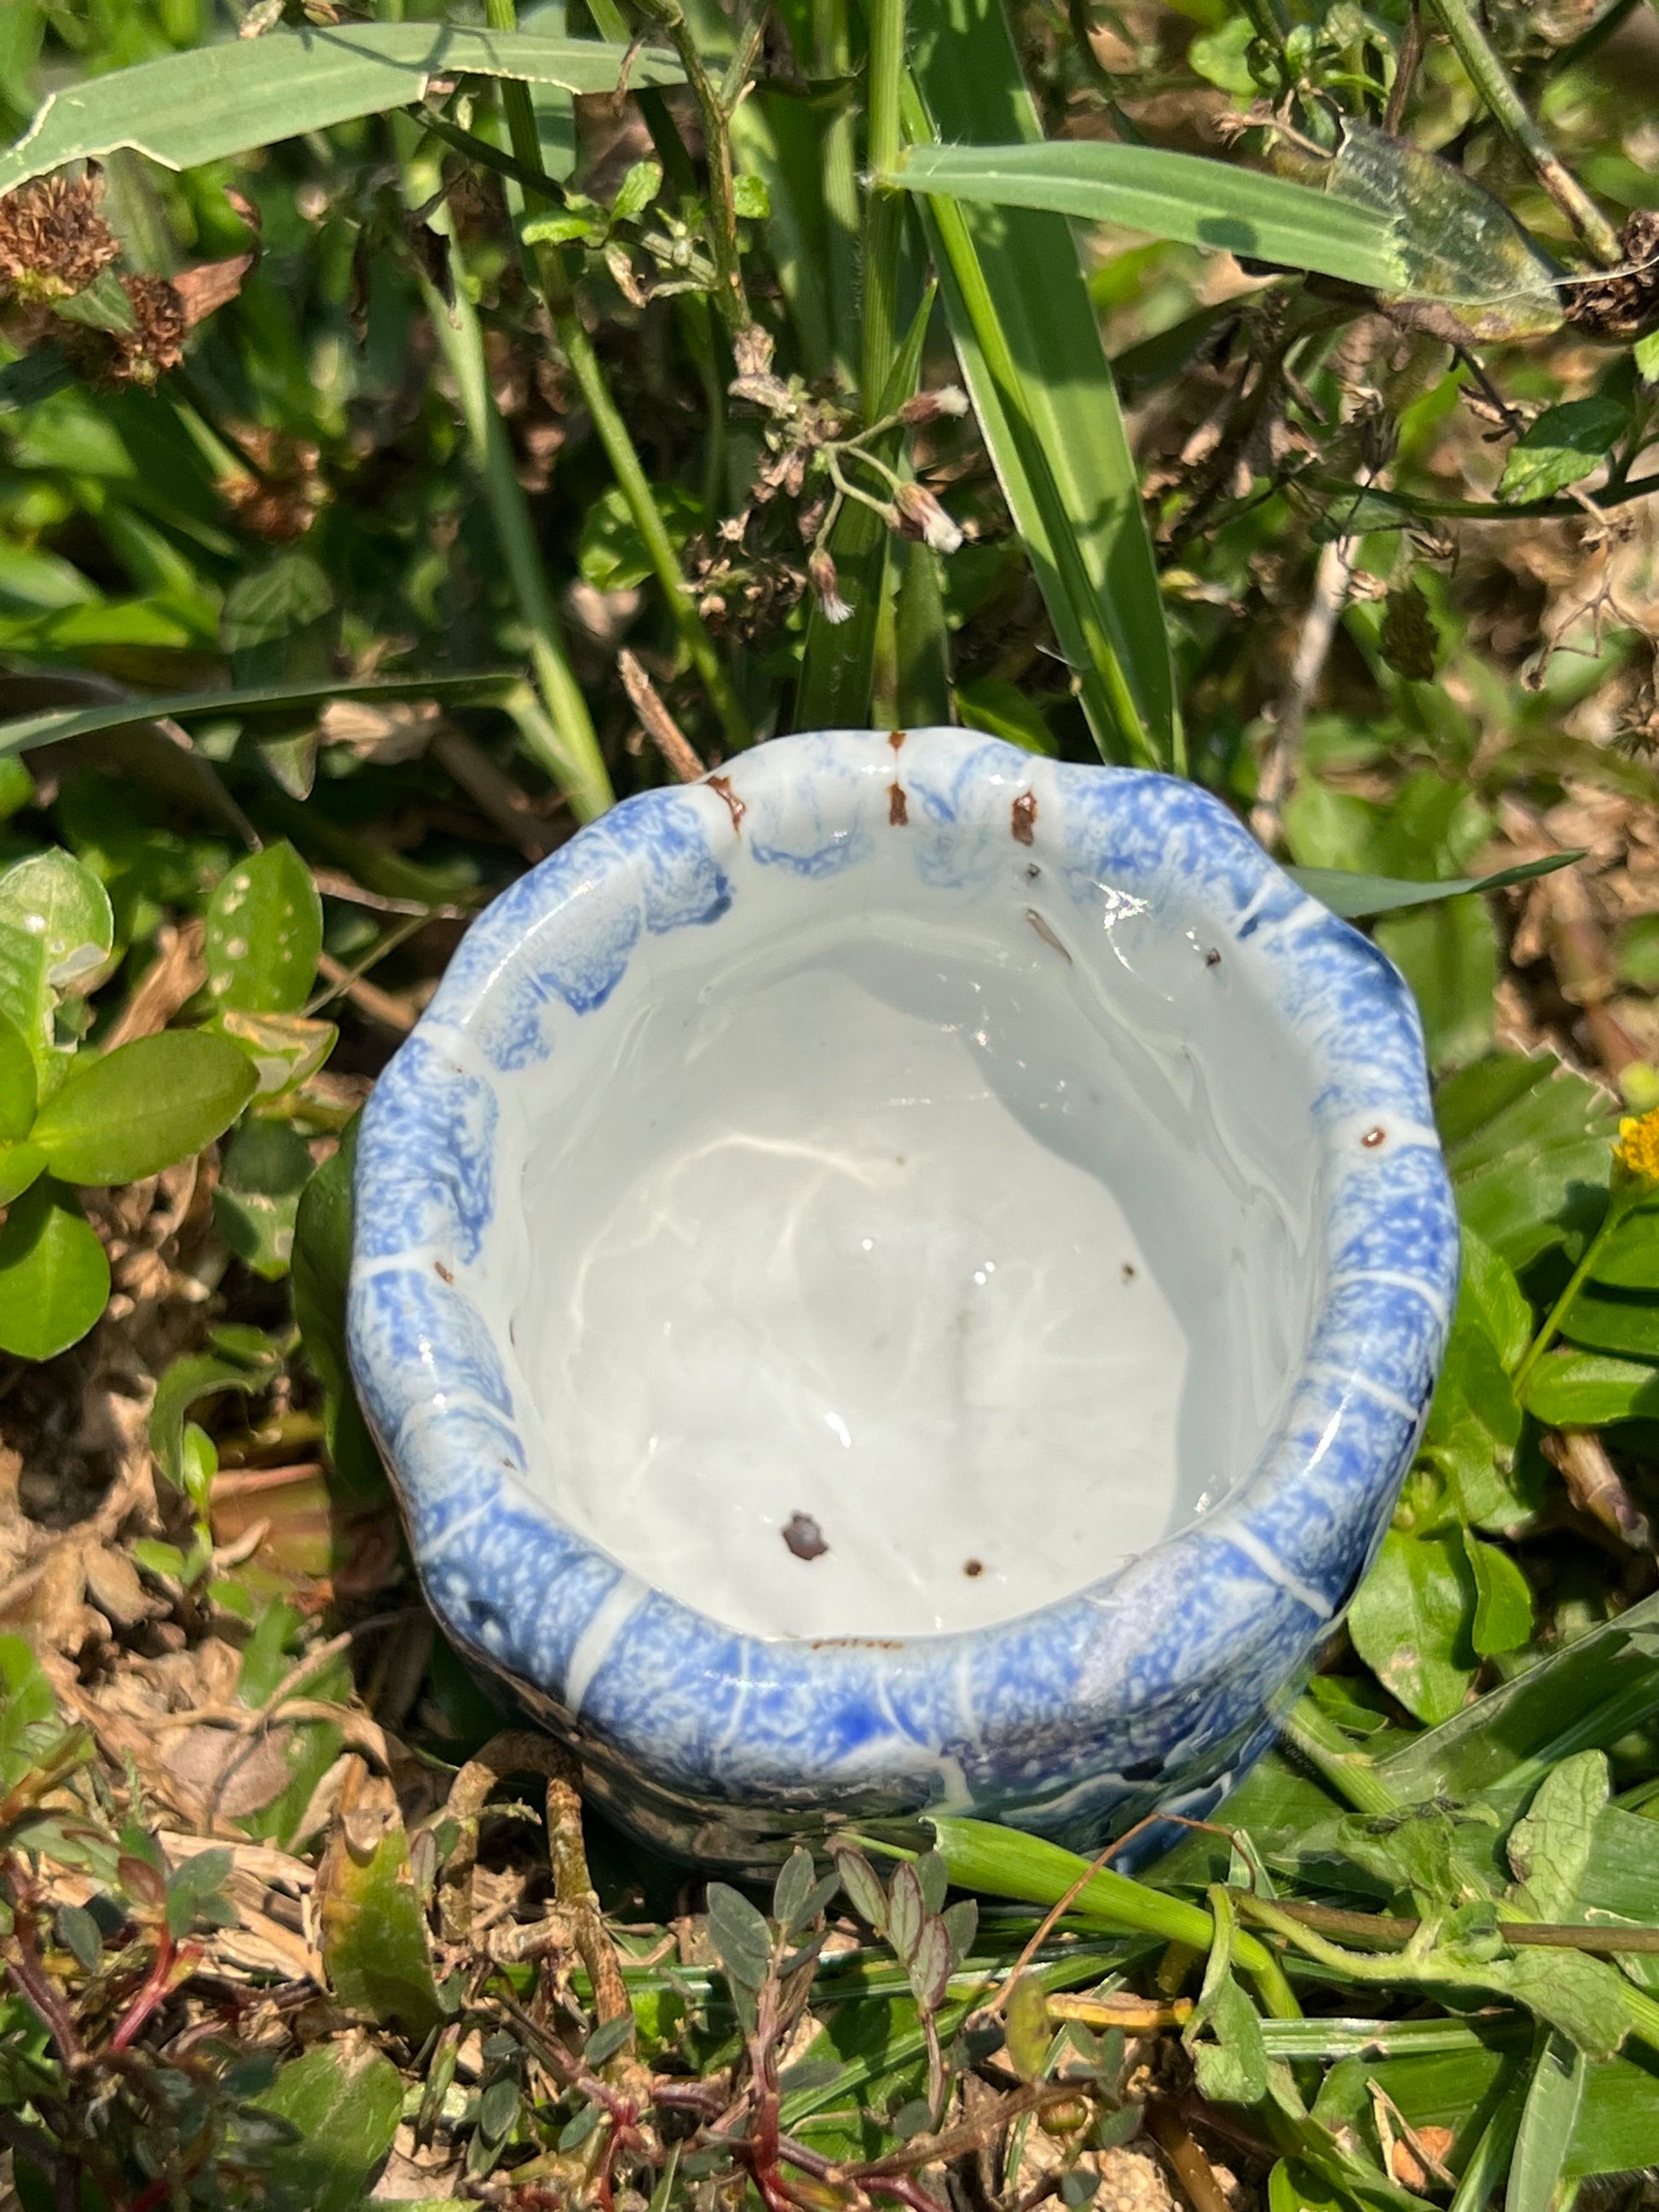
733 300
1619 1203
559 731
554 277
1327 1750
884 212
1487 74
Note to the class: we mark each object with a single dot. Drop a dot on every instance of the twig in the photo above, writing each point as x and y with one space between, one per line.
369 998
1333 575
659 725
1192 2169
1487 74
494 794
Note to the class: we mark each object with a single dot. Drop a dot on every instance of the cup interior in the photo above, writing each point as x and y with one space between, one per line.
906 1248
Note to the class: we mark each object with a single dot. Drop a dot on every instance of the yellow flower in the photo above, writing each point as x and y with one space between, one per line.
1637 1149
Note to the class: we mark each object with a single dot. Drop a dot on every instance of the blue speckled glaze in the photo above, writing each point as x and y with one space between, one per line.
1152 1688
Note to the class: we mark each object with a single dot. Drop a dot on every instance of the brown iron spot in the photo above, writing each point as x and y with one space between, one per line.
1373 1137
1024 816
1129 1271
1212 958
803 1536
895 738
898 810
973 1569
858 1644
444 1274
1046 933
734 805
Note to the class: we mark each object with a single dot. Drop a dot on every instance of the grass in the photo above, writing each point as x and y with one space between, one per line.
419 427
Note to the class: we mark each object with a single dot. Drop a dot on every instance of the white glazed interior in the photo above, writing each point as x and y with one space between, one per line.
973 1226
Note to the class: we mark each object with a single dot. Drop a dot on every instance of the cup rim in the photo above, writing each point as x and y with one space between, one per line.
1211 1622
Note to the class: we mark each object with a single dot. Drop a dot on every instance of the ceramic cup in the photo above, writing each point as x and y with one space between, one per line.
903 1277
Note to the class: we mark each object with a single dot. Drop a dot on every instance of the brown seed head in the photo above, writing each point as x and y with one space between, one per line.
52 239
155 341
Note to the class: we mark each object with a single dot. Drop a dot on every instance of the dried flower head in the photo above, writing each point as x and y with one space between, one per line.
1637 1149
54 241
155 341
921 516
821 571
928 406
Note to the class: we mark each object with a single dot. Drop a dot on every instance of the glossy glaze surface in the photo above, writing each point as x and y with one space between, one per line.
953 1159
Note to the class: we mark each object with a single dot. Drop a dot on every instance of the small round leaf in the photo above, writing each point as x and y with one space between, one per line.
264 933
144 1107
54 1275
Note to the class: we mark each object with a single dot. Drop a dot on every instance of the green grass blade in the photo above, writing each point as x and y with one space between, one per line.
1356 897
24 730
211 103
1539 2167
1176 196
1030 344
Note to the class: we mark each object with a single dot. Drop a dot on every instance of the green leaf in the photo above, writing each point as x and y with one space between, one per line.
267 1168
28 1712
23 731
283 1050
1564 445
1503 1600
1496 1301
740 1935
1546 2130
267 604
1628 1260
637 190
103 306
18 1088
1614 1324
345 2102
211 101
264 934
1410 1622
1550 1847
139 1109
57 931
1528 1143
54 1273
1184 196
186 1382
611 555
322 1262
1027 2029
373 1933
1359 897
750 197
1588 1389
1028 340
1233 2069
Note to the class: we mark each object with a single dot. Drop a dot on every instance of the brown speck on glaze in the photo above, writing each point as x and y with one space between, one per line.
1373 1137
973 1569
1023 817
1129 1271
803 1536
1212 958
858 1644
1046 933
734 805
444 1274
895 738
898 809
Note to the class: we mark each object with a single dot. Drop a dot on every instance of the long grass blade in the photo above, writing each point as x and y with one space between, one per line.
1178 196
1030 344
1538 2169
211 103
